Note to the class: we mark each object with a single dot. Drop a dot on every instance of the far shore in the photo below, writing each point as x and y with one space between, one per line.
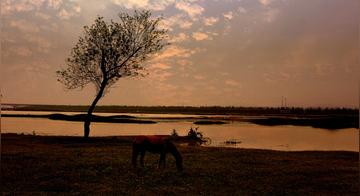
101 165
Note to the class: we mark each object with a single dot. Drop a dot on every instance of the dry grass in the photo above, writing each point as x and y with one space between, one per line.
70 165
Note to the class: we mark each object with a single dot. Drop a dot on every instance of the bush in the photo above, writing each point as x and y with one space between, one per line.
174 133
195 136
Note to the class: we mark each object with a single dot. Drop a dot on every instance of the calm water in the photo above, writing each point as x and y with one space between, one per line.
291 138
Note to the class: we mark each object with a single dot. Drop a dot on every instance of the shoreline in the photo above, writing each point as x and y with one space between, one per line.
180 140
330 122
72 165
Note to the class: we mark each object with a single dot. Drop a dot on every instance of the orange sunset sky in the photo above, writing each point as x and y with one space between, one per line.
223 52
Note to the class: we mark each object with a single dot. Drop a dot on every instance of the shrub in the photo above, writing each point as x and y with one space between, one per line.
174 133
195 136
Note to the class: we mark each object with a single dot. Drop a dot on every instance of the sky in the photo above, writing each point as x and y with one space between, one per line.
222 52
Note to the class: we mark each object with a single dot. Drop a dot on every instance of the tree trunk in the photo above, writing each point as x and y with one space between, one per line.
91 109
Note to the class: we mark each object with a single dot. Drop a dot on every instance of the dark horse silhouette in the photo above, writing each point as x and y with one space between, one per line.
155 144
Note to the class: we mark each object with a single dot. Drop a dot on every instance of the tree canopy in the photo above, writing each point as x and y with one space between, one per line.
108 51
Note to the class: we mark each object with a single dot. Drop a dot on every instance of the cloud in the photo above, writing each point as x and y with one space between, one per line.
265 2
324 69
176 21
24 26
9 6
161 66
160 4
185 24
184 64
41 44
227 29
179 38
144 4
229 15
199 36
42 16
36 3
21 51
130 4
66 14
242 10
54 27
63 14
270 15
232 83
199 77
77 9
193 10
210 21
55 4
161 77
67 10
174 51
224 73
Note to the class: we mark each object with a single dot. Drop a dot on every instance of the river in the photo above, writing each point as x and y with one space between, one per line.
288 138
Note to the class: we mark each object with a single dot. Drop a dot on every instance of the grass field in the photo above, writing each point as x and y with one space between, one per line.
71 165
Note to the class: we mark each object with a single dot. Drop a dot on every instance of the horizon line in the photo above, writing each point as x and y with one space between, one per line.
194 106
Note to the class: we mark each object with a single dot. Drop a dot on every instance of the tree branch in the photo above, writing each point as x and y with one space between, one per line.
123 63
102 64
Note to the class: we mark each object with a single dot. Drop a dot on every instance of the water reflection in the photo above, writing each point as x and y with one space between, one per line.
292 138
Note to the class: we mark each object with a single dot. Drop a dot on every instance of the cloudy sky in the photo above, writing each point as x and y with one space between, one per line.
223 52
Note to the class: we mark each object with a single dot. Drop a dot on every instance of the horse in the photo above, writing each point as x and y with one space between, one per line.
155 144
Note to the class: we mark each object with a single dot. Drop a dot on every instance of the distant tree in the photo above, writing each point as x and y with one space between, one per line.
108 51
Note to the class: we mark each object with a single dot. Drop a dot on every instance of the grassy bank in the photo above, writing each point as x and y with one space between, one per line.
34 164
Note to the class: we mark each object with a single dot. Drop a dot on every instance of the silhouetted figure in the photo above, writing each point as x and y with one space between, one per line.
155 144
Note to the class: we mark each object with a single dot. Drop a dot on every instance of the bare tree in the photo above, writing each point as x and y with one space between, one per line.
109 51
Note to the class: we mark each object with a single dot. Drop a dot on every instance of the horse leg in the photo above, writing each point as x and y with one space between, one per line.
142 155
135 153
162 160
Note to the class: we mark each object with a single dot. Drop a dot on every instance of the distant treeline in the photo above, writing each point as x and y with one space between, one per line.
204 110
